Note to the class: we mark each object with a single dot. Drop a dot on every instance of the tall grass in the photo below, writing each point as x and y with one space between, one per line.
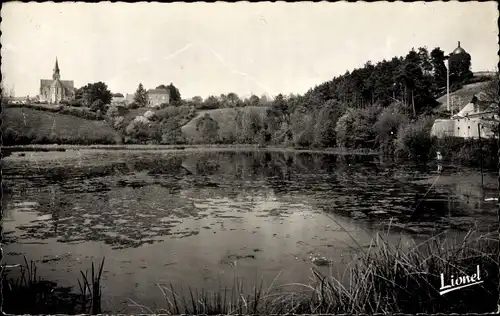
29 294
92 291
386 278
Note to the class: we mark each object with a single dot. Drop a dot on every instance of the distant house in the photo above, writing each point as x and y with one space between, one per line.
157 97
56 90
118 99
129 98
465 123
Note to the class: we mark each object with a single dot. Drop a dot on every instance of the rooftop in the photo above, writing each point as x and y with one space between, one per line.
158 91
459 50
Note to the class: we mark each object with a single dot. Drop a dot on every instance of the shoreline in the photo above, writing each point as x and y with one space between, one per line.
211 147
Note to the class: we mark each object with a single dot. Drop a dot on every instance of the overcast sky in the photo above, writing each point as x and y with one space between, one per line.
218 48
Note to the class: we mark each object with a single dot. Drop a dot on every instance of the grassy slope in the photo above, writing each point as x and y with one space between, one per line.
224 117
461 97
49 125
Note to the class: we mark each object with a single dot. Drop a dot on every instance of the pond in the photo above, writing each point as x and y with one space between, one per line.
201 218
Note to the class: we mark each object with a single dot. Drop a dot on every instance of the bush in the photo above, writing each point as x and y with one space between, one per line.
171 132
414 140
355 129
143 132
208 129
468 152
76 103
133 105
98 105
390 120
82 113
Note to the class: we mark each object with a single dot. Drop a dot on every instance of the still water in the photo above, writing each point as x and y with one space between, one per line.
202 218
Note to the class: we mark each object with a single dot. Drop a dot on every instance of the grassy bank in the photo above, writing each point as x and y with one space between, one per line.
22 126
383 279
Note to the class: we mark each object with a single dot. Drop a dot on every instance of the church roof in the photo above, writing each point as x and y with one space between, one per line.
46 83
158 91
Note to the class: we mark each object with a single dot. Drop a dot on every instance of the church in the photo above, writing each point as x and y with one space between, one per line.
56 90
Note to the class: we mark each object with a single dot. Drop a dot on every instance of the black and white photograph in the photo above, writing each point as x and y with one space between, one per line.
250 158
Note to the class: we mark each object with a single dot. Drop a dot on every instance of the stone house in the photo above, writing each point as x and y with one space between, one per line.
158 96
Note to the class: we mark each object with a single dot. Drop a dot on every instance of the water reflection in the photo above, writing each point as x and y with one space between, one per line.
140 197
195 218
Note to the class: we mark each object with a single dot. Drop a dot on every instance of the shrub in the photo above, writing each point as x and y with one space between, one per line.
98 105
208 129
414 140
143 131
133 105
390 120
76 103
468 152
112 111
171 132
355 129
82 113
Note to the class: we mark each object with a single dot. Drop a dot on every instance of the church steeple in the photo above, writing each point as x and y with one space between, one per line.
56 74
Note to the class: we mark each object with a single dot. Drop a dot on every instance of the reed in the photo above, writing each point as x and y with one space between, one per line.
25 292
386 278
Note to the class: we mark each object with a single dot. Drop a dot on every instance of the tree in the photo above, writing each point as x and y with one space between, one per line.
425 60
211 103
281 108
208 128
302 126
355 129
263 100
118 95
438 69
233 99
326 122
390 120
249 125
254 100
175 95
141 96
460 68
93 92
171 131
197 100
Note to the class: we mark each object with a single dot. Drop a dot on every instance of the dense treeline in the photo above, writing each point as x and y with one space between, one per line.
387 106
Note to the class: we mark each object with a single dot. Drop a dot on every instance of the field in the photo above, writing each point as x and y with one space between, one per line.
32 126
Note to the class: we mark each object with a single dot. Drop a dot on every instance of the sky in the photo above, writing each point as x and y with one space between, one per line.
212 48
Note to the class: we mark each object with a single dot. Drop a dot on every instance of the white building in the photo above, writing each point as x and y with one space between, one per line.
465 123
